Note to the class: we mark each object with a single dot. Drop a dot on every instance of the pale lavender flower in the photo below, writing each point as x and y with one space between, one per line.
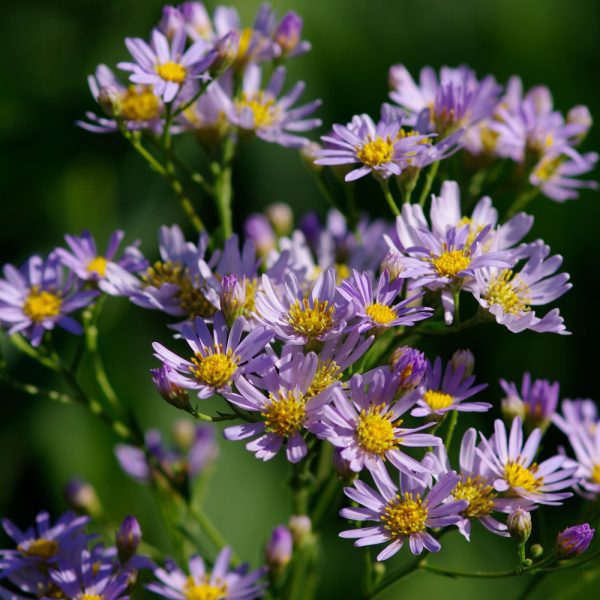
36 297
446 390
378 309
219 358
221 582
165 64
402 513
577 415
574 541
511 296
382 149
514 472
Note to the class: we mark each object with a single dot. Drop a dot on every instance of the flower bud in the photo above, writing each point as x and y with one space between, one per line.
184 433
278 552
128 538
342 466
281 217
82 497
463 359
519 525
258 229
308 154
574 541
226 50
173 394
197 20
300 527
233 297
172 20
410 366
288 32
109 100
580 116
311 228
536 550
392 263
512 407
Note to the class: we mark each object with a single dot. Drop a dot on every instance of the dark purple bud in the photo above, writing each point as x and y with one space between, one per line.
278 552
288 32
128 538
81 496
574 541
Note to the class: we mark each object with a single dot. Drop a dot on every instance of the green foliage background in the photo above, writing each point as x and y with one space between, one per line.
56 178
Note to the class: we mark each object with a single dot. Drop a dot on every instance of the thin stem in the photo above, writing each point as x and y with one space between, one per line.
468 574
521 201
429 179
325 500
451 427
531 586
32 390
385 188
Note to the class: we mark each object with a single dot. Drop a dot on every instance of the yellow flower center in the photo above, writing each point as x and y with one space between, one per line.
405 514
342 272
40 305
98 265
191 299
246 36
312 321
380 313
451 262
479 494
171 71
40 548
328 372
139 104
596 474
547 168
215 369
507 292
204 590
376 152
263 108
91 597
249 303
474 230
517 475
437 400
285 414
489 139
375 431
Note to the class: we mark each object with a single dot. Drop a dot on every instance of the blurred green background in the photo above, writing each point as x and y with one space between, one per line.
56 178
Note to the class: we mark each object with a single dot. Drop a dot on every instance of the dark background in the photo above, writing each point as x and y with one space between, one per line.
56 178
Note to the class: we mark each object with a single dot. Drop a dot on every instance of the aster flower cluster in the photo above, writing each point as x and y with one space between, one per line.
304 342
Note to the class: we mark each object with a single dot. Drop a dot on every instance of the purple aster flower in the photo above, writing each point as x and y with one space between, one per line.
577 415
137 106
457 100
447 390
402 513
383 149
511 297
378 309
512 466
165 64
475 486
89 265
367 425
286 410
409 365
219 357
221 582
300 318
574 541
37 297
259 111
197 21
539 397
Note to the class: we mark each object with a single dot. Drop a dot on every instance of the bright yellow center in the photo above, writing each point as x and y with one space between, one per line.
380 313
139 105
479 494
518 476
405 514
507 292
249 303
171 71
375 431
191 299
204 590
437 400
451 262
215 369
489 139
547 168
263 108
98 265
341 272
246 36
91 597
312 321
328 372
40 305
376 152
285 414
596 474
40 548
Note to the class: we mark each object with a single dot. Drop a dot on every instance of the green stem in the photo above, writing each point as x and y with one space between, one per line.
325 501
521 201
387 194
429 179
469 574
451 427
222 187
531 586
390 579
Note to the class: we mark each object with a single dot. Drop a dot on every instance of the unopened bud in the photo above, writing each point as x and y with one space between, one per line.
300 527
463 359
574 541
258 229
82 497
308 153
281 217
536 550
226 50
580 116
278 552
288 32
128 538
109 100
410 366
184 433
512 407
197 19
233 297
172 20
173 394
519 525
392 263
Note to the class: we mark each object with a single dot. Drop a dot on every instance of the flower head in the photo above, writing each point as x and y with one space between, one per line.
409 366
574 541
